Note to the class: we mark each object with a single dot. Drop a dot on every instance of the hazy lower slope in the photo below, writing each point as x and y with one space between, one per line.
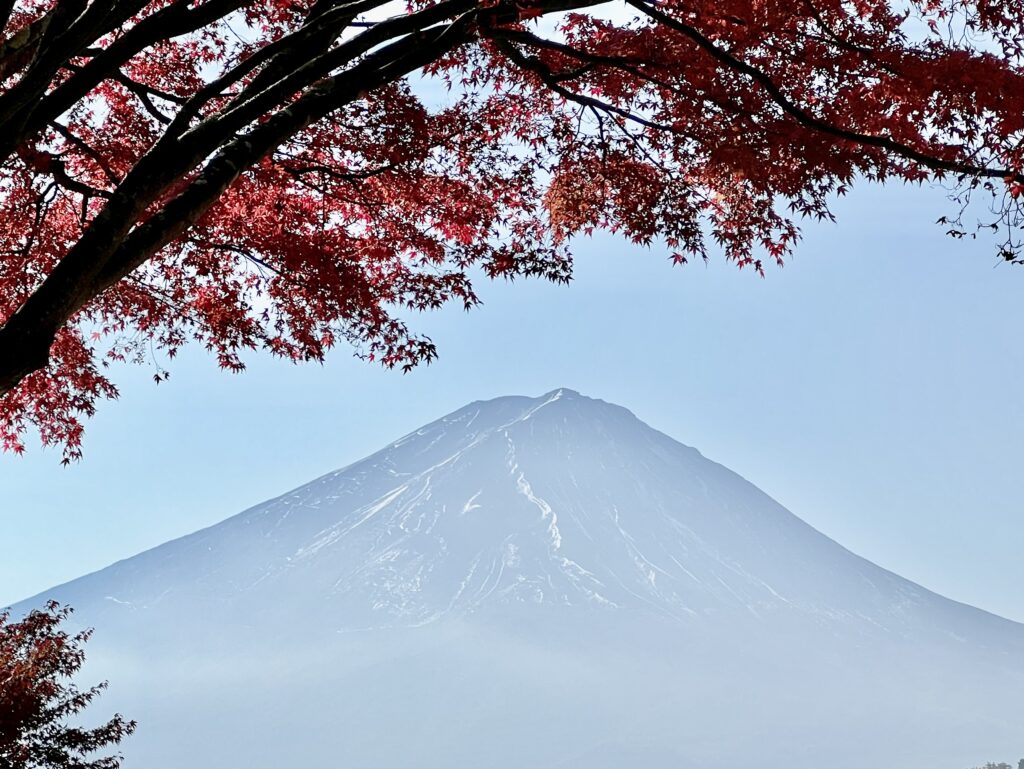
541 582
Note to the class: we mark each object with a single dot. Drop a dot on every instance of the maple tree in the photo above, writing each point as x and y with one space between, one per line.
262 173
37 698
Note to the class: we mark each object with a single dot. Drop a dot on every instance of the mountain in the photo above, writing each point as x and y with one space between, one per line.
541 582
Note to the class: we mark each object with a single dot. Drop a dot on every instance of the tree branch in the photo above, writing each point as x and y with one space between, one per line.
98 260
812 122
537 67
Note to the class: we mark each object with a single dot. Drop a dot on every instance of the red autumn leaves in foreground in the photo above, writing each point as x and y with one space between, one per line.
266 173
37 698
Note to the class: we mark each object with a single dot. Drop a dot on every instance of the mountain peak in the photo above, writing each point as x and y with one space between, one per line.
516 407
561 500
523 562
562 393
558 393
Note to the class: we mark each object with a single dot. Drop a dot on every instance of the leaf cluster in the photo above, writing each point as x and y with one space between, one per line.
40 703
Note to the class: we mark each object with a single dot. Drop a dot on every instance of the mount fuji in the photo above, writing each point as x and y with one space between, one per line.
546 583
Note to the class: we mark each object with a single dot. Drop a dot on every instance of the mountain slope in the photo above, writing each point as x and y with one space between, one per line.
501 571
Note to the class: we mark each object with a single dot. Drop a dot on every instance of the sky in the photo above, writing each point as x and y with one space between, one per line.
870 386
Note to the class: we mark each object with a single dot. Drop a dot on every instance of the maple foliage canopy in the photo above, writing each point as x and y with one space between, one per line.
262 173
37 698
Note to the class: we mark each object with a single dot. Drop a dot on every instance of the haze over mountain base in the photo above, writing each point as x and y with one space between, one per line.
540 583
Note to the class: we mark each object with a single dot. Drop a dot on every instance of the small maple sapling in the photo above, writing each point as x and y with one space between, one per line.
261 173
37 697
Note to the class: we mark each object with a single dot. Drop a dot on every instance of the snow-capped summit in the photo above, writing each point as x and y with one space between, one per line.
560 499
547 549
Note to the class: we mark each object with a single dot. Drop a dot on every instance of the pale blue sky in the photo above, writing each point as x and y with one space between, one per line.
870 387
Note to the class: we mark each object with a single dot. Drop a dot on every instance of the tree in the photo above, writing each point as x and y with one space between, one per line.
37 697
261 173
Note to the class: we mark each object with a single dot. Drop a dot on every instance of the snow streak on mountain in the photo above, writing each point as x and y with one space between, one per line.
554 558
